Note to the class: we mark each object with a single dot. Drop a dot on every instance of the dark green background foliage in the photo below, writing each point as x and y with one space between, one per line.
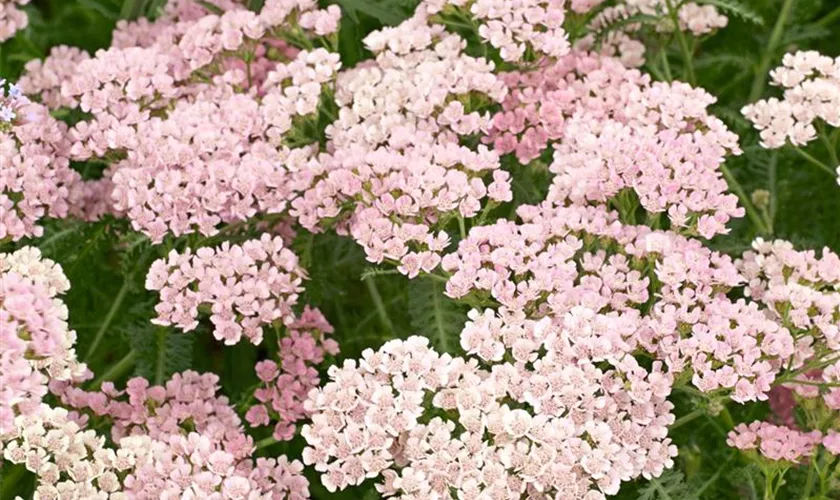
106 261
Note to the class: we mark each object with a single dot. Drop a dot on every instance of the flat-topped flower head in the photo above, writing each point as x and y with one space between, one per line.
242 286
774 442
37 344
537 415
811 84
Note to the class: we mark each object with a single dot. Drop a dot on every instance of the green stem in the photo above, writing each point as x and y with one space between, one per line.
380 306
774 192
829 146
683 41
829 18
821 363
108 319
265 443
461 229
809 483
666 66
712 479
752 213
815 162
769 494
760 80
727 418
688 418
117 370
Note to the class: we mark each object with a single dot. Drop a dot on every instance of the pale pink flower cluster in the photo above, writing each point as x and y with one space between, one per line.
560 258
214 159
667 149
395 174
692 17
695 18
613 130
242 287
287 383
196 169
819 383
183 439
539 103
12 19
583 6
774 442
69 462
831 376
145 33
518 29
36 344
547 423
181 105
831 442
811 84
73 462
617 43
193 466
186 403
800 290
36 180
45 78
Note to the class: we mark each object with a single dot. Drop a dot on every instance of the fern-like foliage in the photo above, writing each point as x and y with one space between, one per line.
670 486
434 315
735 7
160 351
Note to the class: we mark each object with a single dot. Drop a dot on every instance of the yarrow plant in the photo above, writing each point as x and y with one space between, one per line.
443 249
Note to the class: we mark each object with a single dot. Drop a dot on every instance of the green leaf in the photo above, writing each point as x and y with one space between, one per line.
387 12
434 315
670 486
735 7
160 351
211 7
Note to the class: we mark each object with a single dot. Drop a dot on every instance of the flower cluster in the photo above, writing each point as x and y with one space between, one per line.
617 34
73 462
668 150
193 466
178 439
539 103
564 257
286 384
548 423
811 84
155 100
798 287
831 442
801 291
35 175
612 130
186 403
69 462
397 173
44 78
37 344
242 287
774 442
519 30
12 19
